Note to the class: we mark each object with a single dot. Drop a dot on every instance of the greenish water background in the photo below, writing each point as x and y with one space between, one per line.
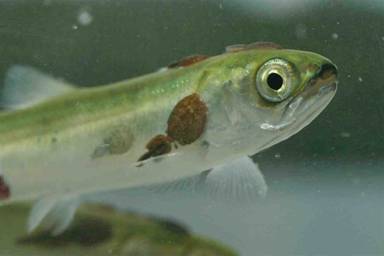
325 183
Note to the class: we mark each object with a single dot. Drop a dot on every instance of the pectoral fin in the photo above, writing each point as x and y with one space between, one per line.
53 213
237 180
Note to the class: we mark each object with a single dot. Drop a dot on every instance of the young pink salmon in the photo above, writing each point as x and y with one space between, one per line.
58 140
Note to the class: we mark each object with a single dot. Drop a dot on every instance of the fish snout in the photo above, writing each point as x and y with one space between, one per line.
324 81
327 70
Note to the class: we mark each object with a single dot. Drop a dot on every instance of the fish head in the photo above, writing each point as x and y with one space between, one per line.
273 94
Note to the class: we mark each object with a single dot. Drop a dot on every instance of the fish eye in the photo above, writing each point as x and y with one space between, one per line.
276 80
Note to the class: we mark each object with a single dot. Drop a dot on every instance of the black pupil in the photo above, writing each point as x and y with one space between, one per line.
275 81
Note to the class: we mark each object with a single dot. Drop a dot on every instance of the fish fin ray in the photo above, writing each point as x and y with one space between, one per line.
53 213
189 184
25 86
239 180
38 212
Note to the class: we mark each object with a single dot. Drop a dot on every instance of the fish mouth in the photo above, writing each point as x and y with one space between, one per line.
323 82
318 93
309 103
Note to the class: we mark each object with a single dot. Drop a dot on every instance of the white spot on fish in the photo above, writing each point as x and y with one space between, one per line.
277 155
75 27
273 127
84 18
335 36
360 79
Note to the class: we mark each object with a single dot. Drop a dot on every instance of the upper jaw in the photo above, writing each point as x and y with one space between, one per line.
314 98
323 81
304 107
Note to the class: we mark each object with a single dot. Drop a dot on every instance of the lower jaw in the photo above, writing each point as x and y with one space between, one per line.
301 111
311 111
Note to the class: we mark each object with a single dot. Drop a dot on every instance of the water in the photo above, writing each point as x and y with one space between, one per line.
325 188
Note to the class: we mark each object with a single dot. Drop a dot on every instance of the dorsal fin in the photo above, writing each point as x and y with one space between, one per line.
256 45
187 61
25 86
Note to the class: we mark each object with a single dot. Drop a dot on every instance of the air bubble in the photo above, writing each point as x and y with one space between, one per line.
335 36
345 134
300 31
84 18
